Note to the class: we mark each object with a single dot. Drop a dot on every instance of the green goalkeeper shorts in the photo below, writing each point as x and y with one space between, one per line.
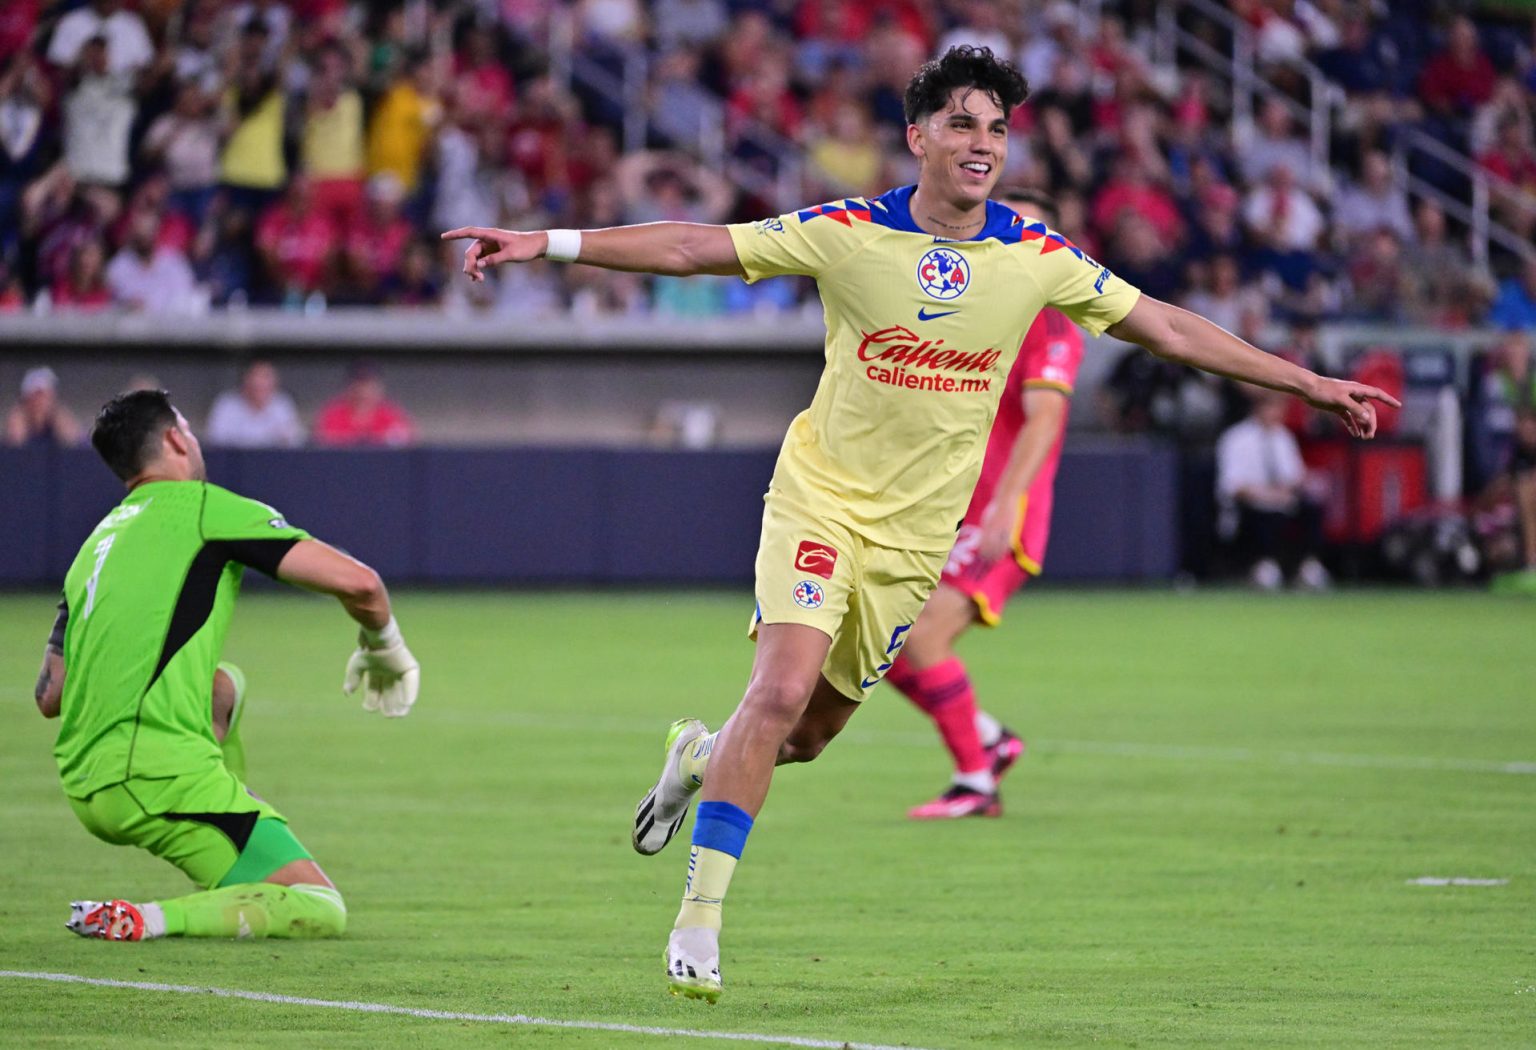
207 824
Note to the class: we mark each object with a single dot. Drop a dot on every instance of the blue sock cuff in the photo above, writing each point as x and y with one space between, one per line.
722 826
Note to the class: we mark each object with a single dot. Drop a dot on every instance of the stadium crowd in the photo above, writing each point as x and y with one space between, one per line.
168 157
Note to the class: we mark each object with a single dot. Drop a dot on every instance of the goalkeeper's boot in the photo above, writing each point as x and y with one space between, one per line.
1008 750
660 813
106 920
693 963
959 801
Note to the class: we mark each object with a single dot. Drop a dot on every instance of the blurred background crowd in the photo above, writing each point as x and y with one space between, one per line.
1282 167
171 157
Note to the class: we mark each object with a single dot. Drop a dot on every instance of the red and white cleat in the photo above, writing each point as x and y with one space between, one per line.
958 802
106 920
1008 750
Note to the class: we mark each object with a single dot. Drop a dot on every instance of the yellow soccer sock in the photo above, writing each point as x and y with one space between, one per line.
709 876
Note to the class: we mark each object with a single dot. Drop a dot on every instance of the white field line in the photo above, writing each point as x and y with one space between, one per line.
1119 749
1455 880
445 1015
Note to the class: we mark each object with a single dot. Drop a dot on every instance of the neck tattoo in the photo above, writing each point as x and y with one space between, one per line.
951 226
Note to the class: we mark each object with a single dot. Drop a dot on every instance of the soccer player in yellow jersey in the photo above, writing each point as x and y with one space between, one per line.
928 291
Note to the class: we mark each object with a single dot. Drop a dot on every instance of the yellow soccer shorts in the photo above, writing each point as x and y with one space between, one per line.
817 572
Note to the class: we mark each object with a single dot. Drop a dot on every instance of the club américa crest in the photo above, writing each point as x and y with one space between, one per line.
809 595
943 273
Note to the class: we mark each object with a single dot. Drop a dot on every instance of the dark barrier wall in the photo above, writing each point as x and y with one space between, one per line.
528 515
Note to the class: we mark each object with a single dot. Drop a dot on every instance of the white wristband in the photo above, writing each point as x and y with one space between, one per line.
564 245
383 638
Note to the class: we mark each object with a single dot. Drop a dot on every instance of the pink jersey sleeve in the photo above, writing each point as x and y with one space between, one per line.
1052 353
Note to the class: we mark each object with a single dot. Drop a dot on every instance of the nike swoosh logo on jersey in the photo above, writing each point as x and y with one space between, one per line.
924 315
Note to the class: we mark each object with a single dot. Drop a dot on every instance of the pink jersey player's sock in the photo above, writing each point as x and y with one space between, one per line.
944 691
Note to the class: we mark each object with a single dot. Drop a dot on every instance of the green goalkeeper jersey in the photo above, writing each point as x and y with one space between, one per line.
146 606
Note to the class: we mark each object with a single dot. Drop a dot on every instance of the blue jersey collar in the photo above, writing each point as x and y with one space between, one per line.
893 209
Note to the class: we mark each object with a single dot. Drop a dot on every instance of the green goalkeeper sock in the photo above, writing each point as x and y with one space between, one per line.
232 746
254 910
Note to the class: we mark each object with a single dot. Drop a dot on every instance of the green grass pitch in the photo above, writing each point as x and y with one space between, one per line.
1208 844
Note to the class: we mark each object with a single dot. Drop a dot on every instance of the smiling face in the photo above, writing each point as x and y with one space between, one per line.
962 148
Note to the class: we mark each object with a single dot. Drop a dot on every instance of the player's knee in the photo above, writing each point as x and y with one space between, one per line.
776 701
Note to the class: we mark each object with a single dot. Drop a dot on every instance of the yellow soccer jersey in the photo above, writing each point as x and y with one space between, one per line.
921 333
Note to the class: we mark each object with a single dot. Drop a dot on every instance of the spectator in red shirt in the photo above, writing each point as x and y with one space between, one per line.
363 415
1514 162
1460 78
84 287
376 245
1129 189
295 241
486 89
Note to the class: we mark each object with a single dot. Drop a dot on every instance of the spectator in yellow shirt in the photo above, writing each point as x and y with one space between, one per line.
331 149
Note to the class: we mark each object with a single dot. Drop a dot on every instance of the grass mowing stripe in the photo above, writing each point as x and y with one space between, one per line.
445 1015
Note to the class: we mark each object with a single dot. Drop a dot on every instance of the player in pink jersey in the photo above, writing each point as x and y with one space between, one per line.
1001 544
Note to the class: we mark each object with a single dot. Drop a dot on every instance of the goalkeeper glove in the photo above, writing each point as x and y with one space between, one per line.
389 674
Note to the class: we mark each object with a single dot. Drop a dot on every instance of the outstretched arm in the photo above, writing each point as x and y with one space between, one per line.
317 566
678 249
381 664
1189 339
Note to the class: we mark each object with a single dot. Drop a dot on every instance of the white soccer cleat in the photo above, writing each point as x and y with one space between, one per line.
693 963
661 812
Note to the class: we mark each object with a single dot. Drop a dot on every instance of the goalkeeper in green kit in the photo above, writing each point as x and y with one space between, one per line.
132 671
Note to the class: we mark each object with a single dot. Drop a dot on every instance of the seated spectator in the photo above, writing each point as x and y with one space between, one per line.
1276 143
122 32
417 283
1286 224
98 115
1459 78
1372 203
682 109
1226 299
1130 190
1261 486
154 279
376 245
1515 306
1443 287
363 415
1378 277
844 158
258 414
38 419
1512 162
185 142
84 288
295 241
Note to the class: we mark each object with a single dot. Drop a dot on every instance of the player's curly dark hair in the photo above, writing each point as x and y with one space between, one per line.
963 66
128 428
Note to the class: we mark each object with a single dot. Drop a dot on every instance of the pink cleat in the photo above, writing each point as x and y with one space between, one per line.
958 802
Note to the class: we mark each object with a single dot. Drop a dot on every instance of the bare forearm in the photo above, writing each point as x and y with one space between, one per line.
317 566
1027 456
1186 338
678 249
